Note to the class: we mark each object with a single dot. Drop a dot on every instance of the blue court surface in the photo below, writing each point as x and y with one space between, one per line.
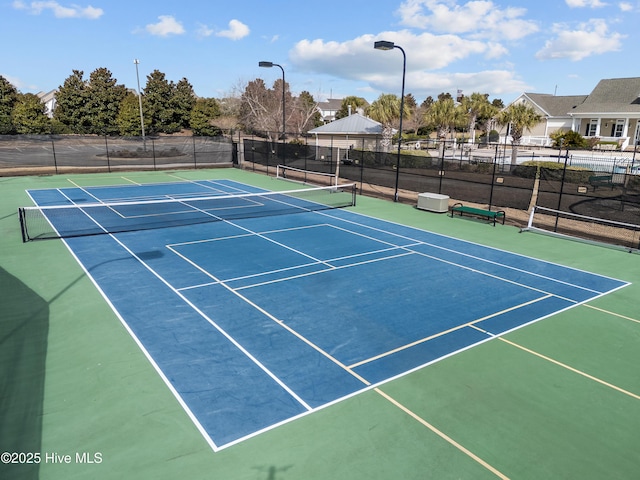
253 322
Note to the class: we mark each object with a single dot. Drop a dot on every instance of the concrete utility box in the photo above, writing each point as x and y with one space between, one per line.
433 202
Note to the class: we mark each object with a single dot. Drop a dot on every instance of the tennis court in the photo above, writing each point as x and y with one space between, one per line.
271 335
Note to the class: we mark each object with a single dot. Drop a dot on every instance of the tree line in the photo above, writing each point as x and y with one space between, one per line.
99 105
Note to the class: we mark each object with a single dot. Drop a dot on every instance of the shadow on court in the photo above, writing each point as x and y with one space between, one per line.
24 327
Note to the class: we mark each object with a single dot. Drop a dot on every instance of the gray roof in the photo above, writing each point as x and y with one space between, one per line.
331 104
613 95
355 124
556 106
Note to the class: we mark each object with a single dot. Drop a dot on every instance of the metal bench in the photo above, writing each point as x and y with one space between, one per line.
601 181
491 215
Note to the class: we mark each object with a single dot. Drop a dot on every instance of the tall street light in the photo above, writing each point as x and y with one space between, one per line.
269 65
384 45
144 143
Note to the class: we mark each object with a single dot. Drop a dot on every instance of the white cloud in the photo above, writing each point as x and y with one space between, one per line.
204 31
165 27
585 3
591 38
59 11
237 30
476 18
357 60
625 7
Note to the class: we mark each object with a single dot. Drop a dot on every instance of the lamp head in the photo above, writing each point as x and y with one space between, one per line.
265 64
383 45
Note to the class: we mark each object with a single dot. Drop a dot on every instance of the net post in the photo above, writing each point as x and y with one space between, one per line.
530 223
23 225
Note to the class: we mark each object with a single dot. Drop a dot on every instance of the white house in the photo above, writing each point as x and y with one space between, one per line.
49 100
611 112
555 112
329 109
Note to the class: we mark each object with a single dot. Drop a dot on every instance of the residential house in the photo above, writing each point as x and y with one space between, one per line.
49 100
611 112
329 109
353 131
555 112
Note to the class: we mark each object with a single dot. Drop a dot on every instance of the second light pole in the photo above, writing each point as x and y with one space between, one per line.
384 45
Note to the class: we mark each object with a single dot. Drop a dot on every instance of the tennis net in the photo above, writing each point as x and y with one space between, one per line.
584 228
74 220
294 174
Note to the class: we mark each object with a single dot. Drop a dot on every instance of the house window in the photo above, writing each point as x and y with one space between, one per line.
592 127
619 128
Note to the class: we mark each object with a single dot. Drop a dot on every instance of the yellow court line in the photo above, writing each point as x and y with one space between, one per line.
442 435
574 370
131 181
612 313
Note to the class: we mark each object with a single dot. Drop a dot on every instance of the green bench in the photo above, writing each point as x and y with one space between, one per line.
601 181
491 215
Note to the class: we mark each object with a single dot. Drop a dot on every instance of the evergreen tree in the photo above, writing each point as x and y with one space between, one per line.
104 97
8 100
71 101
202 116
29 116
128 119
158 94
183 99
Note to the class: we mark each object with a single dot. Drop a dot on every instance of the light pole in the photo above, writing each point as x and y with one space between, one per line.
144 143
384 45
269 65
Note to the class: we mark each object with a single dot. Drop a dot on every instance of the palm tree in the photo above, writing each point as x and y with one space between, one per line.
386 110
519 117
443 115
477 106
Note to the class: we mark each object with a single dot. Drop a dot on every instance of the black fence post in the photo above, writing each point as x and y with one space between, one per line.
564 173
153 151
195 162
106 145
55 160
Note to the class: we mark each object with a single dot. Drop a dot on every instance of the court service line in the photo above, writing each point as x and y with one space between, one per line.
442 435
326 263
213 323
563 365
445 332
274 319
612 313
458 252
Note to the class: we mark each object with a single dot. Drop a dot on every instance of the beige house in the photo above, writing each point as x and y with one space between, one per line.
354 131
611 112
555 113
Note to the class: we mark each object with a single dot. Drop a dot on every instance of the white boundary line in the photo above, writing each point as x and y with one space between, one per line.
347 368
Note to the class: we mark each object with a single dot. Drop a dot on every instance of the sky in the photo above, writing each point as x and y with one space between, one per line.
499 47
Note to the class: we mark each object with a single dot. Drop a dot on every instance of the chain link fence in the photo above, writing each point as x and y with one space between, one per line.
595 190
63 153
